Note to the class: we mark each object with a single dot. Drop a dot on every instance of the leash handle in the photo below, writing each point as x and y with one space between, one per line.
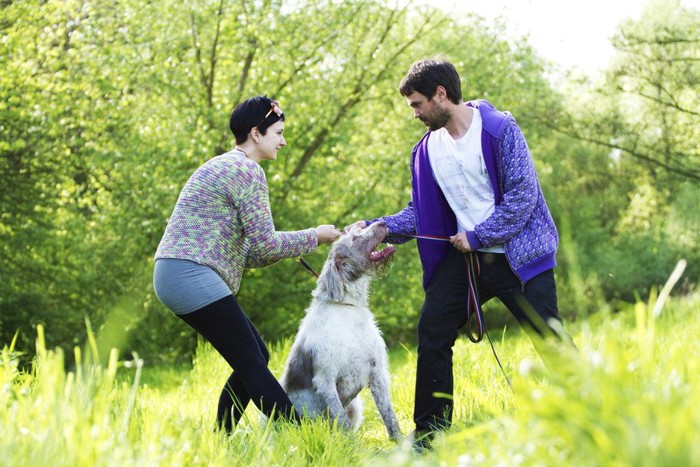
474 313
473 305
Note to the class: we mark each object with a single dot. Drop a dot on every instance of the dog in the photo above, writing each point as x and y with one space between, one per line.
339 349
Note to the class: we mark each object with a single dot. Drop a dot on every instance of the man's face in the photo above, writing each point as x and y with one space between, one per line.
428 111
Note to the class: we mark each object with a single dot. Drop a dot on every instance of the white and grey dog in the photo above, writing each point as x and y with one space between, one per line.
339 349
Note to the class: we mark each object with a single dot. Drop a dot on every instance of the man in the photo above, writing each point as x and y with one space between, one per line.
474 182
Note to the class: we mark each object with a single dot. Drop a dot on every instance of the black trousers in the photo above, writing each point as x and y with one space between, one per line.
444 312
224 324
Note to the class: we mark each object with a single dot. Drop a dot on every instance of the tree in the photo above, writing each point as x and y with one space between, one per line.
650 108
108 107
637 161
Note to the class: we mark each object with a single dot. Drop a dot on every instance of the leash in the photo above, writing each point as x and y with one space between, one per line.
307 266
474 311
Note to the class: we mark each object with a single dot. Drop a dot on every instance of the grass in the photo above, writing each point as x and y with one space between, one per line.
630 396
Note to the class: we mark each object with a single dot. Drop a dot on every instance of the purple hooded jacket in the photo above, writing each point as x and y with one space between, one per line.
521 221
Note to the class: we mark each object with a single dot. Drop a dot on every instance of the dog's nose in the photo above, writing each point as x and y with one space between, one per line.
381 223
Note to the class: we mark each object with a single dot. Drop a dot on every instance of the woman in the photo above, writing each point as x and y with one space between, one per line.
221 224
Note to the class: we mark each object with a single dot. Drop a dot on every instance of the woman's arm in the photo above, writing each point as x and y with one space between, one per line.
267 246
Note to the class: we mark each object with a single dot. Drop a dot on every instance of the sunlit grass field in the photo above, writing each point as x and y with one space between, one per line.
629 397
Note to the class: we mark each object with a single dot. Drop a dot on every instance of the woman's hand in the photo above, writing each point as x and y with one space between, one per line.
327 233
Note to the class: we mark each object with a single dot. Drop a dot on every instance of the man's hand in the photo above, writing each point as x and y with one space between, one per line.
360 224
460 242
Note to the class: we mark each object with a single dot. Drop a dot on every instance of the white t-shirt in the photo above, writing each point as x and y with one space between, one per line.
460 170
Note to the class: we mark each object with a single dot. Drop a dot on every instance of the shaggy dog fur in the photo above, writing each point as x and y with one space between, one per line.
339 349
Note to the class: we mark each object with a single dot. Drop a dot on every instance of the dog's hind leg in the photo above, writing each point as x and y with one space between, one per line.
379 386
354 412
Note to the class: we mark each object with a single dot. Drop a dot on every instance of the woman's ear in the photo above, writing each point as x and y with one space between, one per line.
255 134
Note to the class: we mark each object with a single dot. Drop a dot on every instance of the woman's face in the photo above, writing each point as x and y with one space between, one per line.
271 142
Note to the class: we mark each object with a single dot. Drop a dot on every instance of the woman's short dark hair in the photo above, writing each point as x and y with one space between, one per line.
426 75
253 112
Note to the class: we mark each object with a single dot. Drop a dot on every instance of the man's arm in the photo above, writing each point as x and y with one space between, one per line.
400 224
520 193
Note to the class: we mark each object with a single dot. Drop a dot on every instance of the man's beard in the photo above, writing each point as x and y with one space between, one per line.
437 119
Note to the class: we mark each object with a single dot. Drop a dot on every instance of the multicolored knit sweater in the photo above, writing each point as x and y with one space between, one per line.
222 219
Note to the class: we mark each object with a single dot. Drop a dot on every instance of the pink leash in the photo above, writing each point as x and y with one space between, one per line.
473 306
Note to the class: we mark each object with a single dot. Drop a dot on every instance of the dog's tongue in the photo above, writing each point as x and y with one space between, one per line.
377 255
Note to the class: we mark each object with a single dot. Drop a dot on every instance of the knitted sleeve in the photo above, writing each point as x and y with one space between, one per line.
400 224
267 246
520 190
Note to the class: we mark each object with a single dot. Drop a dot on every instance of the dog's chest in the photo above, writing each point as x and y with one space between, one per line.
343 333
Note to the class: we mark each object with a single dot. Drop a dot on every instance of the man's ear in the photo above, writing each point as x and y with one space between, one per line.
441 93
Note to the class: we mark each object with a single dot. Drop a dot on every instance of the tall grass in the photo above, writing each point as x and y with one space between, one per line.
629 396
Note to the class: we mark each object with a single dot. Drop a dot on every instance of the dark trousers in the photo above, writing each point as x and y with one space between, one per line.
224 324
444 312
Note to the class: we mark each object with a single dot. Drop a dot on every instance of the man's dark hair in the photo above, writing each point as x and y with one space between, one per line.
252 113
426 75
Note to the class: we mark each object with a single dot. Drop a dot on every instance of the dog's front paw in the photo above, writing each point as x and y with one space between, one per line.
344 422
395 434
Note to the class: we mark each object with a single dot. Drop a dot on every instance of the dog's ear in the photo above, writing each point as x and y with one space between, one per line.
330 285
348 269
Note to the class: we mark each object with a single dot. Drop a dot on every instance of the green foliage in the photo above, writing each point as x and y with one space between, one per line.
137 105
624 165
628 397
106 108
109 107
